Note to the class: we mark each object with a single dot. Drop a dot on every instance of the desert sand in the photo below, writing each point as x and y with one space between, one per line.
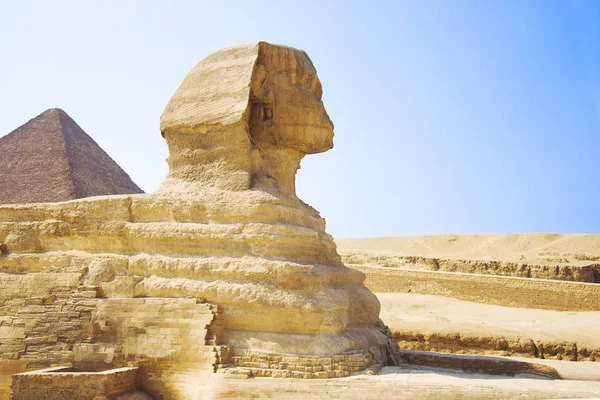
482 325
411 383
404 311
423 320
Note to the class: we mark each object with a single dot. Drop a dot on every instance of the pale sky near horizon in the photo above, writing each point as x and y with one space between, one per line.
450 116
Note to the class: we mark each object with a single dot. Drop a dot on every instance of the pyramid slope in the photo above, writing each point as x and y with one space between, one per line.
93 172
33 163
51 159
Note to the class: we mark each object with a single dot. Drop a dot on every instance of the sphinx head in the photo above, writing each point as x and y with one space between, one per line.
244 117
287 110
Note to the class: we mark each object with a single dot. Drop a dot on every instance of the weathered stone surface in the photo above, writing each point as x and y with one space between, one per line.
243 119
570 257
435 323
22 242
225 227
64 383
501 290
584 272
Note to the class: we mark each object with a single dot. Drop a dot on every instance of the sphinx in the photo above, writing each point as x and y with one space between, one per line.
225 228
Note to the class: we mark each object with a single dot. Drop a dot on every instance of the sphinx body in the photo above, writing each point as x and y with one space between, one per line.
226 226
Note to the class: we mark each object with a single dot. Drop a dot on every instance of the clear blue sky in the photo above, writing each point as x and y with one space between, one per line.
450 116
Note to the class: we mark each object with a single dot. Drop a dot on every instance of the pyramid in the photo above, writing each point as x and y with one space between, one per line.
51 159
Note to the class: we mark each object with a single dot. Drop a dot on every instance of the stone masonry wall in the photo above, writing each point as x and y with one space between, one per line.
506 291
42 316
548 270
176 330
49 319
298 366
63 383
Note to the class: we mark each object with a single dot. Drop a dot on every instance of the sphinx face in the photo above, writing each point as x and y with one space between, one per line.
287 110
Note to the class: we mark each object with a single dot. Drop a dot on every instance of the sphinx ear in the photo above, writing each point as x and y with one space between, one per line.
261 110
261 124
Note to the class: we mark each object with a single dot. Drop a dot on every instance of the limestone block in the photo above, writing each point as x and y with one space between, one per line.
7 332
100 271
23 242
